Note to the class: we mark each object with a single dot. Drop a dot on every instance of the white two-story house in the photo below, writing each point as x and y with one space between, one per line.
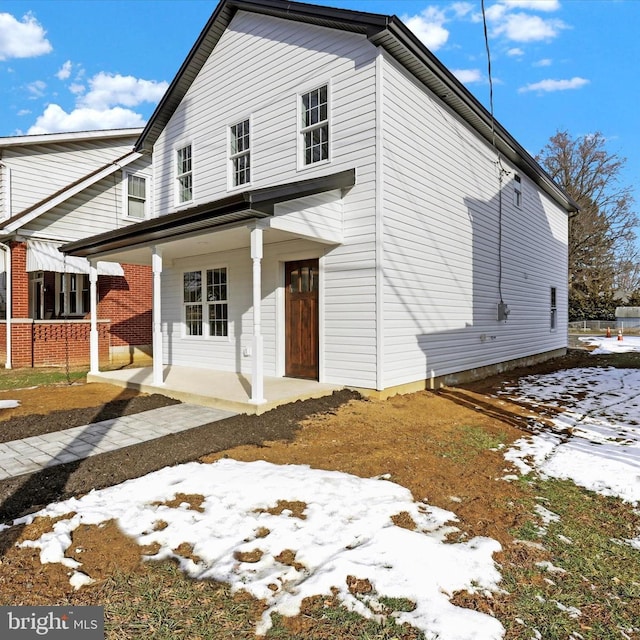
331 203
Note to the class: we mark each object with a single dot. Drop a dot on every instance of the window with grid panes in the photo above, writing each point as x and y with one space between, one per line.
315 125
184 174
206 315
240 153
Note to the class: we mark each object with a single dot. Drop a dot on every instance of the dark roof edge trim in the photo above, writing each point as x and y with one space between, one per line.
260 201
504 139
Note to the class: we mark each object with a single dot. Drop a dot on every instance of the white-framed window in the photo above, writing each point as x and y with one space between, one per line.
240 153
72 294
205 301
314 126
554 309
136 196
517 190
184 174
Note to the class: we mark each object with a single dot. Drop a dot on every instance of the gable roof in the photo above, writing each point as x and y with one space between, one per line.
388 32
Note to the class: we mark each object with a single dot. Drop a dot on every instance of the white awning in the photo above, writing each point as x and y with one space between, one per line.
45 256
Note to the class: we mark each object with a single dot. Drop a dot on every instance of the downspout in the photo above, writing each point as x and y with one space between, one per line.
7 263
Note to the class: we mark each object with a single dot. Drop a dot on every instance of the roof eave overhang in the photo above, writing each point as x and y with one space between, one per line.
403 45
233 210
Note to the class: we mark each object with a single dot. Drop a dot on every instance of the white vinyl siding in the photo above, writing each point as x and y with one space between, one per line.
441 254
295 58
97 209
39 170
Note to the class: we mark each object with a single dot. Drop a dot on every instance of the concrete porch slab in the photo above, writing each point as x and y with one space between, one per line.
219 389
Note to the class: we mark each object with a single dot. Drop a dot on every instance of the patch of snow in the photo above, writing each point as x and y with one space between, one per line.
550 567
346 531
612 345
595 440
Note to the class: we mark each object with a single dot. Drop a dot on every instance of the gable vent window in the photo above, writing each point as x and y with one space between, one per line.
240 153
315 125
184 174
517 190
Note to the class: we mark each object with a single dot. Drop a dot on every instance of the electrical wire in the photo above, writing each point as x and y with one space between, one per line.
502 172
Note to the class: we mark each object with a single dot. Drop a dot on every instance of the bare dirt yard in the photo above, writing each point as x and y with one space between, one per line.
416 439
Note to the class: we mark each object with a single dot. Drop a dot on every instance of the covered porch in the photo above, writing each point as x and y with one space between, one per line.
218 389
197 321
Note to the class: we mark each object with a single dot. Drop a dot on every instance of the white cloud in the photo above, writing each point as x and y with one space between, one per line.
55 119
106 105
24 112
467 76
107 90
534 5
462 9
515 52
522 27
545 62
429 27
36 89
555 85
22 39
65 71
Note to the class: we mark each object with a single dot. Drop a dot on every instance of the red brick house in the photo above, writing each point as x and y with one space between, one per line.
57 188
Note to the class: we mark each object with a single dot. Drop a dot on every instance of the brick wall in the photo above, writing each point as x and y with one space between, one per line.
127 303
124 304
39 343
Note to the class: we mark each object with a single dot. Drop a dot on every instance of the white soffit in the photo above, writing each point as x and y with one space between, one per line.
45 256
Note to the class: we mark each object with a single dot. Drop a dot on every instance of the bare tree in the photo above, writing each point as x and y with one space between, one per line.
604 230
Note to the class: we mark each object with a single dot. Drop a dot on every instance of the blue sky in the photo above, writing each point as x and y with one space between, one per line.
556 64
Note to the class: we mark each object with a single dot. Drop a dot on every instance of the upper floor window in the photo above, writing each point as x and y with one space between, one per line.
240 153
314 125
184 174
517 190
136 197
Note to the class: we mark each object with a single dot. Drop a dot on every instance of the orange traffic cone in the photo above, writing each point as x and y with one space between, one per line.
608 332
620 335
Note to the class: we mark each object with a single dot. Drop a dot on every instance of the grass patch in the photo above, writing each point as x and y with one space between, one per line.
590 584
470 440
26 378
160 602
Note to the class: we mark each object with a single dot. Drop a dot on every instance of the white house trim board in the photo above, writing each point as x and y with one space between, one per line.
51 138
94 358
257 377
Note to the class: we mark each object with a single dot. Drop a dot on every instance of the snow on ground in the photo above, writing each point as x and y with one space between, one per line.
612 345
346 530
595 439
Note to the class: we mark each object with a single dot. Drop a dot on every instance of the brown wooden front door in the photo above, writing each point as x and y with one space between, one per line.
301 318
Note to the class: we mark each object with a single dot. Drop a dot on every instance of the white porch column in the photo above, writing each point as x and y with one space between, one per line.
257 372
158 356
94 344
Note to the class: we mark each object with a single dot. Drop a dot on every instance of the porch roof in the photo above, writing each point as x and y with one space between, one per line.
240 207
